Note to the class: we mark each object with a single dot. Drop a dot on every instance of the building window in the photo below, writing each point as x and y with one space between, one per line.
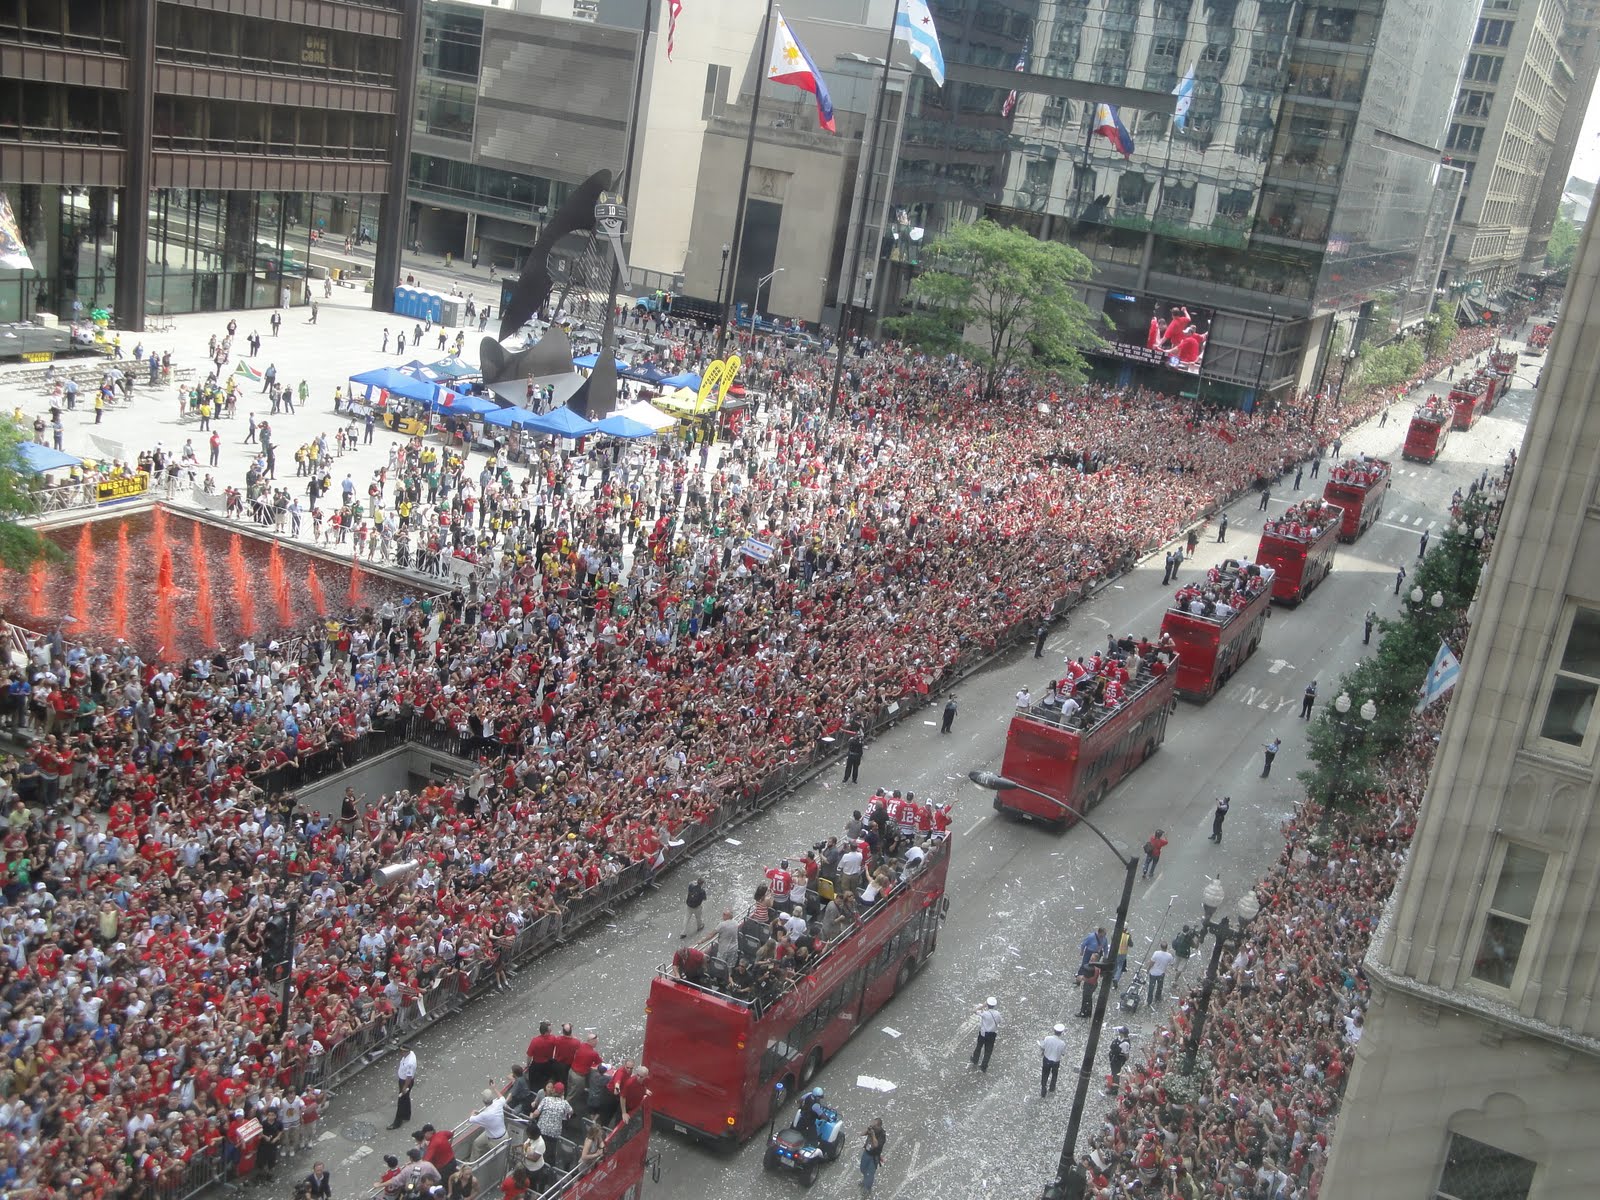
1510 914
1574 684
1476 1171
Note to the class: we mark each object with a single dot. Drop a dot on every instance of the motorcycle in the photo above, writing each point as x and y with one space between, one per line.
792 1148
1133 994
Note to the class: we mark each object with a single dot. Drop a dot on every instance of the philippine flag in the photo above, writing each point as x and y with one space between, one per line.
1108 124
792 65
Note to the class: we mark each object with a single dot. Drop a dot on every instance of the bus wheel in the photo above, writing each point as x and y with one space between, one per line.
1100 795
813 1064
1149 747
998 807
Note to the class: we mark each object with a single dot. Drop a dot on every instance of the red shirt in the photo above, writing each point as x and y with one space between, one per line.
779 882
585 1059
541 1048
565 1047
441 1151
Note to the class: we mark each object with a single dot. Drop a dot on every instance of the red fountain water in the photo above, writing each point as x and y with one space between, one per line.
203 609
36 582
241 585
84 561
280 587
119 590
355 585
314 586
166 590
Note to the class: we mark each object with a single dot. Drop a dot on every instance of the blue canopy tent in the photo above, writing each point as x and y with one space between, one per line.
684 379
397 383
624 427
39 458
463 405
509 417
562 422
452 368
650 374
588 361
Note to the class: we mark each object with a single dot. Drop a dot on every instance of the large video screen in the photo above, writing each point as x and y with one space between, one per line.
1157 332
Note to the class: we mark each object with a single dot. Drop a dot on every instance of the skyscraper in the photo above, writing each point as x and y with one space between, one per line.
1479 1068
1301 189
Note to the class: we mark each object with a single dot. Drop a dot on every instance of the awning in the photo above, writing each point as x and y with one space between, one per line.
513 416
562 422
624 427
397 383
684 379
650 374
589 361
646 413
462 405
39 458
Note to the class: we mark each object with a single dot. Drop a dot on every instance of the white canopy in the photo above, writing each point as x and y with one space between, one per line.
648 414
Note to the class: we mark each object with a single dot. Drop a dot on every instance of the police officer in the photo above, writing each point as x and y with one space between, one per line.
988 1027
1117 1055
949 715
852 757
1052 1047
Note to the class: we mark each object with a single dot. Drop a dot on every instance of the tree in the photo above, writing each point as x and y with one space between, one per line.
1563 244
1442 330
20 545
1006 299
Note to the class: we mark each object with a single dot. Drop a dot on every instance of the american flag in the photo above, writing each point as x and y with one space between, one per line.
674 7
1010 106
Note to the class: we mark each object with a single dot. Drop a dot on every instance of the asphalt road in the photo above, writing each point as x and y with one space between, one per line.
1021 898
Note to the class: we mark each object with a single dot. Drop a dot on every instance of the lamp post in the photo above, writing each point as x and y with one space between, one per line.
755 304
1225 935
1070 1181
1351 735
722 271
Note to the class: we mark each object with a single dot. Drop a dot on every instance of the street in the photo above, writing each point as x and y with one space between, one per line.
1021 898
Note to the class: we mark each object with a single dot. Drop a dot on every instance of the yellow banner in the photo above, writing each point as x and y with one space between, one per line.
121 488
719 377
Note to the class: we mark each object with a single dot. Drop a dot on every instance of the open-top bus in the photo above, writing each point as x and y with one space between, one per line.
715 1056
1429 431
1215 637
1077 759
1359 486
1299 547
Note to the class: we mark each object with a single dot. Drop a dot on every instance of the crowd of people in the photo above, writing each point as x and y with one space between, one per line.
617 663
1284 1020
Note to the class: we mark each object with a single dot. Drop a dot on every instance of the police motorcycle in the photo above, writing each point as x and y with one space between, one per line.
811 1139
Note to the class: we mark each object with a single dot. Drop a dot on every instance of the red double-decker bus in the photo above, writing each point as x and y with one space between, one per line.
1076 759
1299 547
1471 398
1428 432
1217 625
715 1055
1358 486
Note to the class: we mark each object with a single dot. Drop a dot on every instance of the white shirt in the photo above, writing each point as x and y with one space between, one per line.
850 862
1159 962
1053 1048
492 1119
408 1066
989 1020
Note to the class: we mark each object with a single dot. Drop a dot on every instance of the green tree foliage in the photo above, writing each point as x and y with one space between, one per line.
1442 330
1563 243
1005 299
1388 366
20 545
1344 748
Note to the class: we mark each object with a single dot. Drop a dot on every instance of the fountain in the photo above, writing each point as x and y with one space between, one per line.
243 604
355 584
119 598
202 590
314 586
83 559
280 587
164 588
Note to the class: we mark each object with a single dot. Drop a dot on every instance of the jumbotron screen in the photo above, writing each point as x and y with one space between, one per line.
1158 332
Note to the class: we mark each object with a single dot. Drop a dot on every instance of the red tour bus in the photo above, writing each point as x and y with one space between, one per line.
1429 431
1539 339
617 1176
1078 762
1358 486
1299 546
1471 398
1217 625
714 1056
1504 365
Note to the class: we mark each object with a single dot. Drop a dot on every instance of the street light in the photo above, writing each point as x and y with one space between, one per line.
755 305
723 270
1070 1181
1225 934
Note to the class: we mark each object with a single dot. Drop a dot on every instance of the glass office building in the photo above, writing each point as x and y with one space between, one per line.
167 157
1302 186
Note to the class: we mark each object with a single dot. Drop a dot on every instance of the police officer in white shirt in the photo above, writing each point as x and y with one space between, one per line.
1052 1047
988 1026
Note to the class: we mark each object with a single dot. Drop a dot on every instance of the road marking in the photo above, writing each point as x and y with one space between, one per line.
1279 664
976 823
915 1172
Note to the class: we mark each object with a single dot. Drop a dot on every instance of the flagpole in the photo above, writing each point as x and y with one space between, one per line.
870 149
726 299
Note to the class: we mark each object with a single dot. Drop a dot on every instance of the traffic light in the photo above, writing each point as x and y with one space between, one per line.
278 947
